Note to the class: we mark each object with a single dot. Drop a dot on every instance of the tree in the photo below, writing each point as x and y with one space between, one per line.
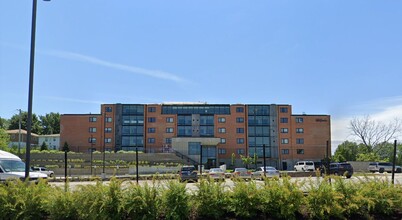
246 160
65 147
375 134
50 123
4 123
4 139
347 151
14 122
43 146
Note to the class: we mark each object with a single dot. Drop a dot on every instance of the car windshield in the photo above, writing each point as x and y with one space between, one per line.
12 165
240 170
187 168
215 170
309 163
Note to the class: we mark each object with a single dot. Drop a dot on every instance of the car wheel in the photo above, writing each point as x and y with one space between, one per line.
51 175
398 170
348 176
381 170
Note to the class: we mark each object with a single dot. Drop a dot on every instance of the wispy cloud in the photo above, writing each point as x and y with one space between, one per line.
132 69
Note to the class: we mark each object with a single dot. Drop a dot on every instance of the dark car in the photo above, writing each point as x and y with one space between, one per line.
188 173
342 169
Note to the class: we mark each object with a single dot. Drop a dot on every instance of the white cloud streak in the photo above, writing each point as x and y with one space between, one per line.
132 69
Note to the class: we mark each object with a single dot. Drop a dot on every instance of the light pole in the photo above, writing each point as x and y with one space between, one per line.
30 90
19 133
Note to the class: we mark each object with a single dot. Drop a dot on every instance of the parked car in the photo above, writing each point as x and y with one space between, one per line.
304 166
382 167
44 170
216 174
242 173
343 169
269 172
188 173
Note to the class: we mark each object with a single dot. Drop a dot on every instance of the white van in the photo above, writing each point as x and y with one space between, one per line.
304 166
12 167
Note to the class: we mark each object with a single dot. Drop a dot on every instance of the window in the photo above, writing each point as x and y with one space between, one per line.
194 148
151 109
299 130
151 130
240 130
285 151
221 120
151 119
222 130
108 119
300 151
108 109
283 110
92 119
299 141
223 140
168 140
284 130
240 151
240 120
240 140
92 140
299 120
239 109
284 120
221 151
169 120
108 130
91 130
284 141
169 130
151 140
108 140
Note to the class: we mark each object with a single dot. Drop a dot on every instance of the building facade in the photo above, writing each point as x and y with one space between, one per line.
214 133
18 138
52 141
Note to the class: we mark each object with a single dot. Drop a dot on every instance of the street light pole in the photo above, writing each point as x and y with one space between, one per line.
19 133
30 91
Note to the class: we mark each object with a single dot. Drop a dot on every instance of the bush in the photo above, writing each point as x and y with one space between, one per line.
211 200
245 200
281 199
175 201
141 201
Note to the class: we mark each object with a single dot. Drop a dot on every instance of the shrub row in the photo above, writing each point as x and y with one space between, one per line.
271 199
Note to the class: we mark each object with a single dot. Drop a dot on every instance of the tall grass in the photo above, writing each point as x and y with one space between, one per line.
175 201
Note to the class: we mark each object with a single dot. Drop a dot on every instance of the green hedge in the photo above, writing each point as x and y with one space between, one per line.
168 199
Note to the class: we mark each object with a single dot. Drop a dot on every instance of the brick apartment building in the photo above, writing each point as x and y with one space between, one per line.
217 132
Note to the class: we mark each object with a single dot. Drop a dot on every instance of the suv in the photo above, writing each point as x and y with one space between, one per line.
304 166
188 173
382 167
343 169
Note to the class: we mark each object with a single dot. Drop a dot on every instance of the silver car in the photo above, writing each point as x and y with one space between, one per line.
44 170
269 172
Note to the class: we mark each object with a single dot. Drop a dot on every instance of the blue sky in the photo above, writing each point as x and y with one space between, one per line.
342 58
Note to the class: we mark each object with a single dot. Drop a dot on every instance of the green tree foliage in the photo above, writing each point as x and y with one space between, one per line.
4 139
4 123
50 123
43 146
14 122
246 160
65 147
368 157
347 151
